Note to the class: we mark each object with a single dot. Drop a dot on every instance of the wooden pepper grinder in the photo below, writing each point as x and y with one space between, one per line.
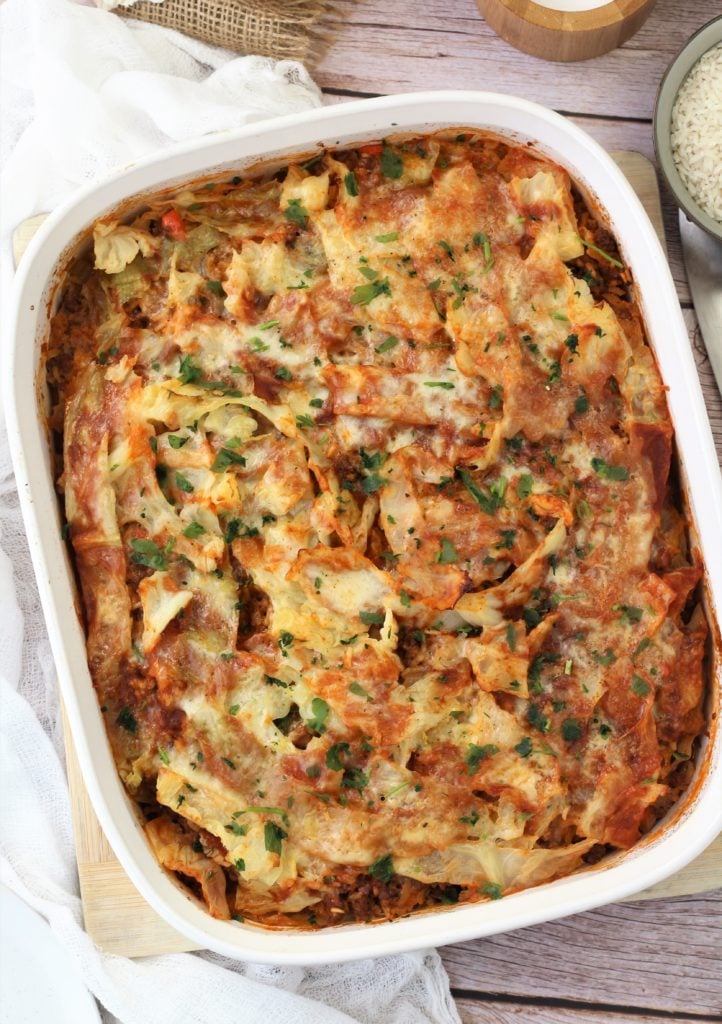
566 30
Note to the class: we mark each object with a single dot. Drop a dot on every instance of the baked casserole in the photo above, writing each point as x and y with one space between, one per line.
387 588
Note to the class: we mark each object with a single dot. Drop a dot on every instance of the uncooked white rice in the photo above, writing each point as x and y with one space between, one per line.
697 132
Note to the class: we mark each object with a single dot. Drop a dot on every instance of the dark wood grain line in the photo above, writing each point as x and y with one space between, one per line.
624 1011
480 1011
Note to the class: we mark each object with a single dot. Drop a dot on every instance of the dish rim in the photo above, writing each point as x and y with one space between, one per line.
350 124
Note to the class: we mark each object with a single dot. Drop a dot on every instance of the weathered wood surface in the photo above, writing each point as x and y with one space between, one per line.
662 956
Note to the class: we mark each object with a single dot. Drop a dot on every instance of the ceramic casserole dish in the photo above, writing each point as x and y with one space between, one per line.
687 829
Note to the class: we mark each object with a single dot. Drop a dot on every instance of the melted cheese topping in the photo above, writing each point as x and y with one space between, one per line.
365 470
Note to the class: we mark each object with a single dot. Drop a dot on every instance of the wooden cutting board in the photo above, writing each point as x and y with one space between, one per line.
116 916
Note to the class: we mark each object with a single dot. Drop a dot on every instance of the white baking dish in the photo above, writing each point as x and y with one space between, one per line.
674 842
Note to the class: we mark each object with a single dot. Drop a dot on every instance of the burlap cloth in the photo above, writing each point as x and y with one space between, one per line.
284 29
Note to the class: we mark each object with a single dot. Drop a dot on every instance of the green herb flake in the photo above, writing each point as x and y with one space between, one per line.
392 164
365 293
524 747
390 237
493 890
447 552
146 552
334 755
581 404
386 346
217 288
383 868
225 457
351 184
320 711
183 484
372 618
296 213
536 718
177 442
571 730
476 754
275 681
609 472
640 686
126 720
273 836
446 385
358 690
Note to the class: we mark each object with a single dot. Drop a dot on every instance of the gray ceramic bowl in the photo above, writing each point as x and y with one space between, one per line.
676 73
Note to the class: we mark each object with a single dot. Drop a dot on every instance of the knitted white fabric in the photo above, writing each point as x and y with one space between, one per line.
84 91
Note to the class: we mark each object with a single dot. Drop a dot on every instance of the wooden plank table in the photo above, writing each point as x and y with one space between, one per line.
633 962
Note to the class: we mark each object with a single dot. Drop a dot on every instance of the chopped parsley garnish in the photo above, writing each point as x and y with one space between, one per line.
497 393
146 552
234 709
383 868
390 237
536 718
511 637
488 503
581 404
194 530
392 164
275 681
606 659
183 483
296 212
572 342
334 755
608 472
493 890
447 552
524 485
358 690
126 719
535 669
447 249
188 372
506 542
239 864
225 457
365 293
386 346
556 315
571 730
351 184
177 442
227 761
524 747
481 241
354 778
629 614
317 403
273 836
641 646
372 618
640 686
267 325
217 288
446 385
405 599
320 711
283 373
285 639
476 754
304 420
601 252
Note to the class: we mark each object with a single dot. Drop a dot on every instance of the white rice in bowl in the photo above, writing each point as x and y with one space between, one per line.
696 134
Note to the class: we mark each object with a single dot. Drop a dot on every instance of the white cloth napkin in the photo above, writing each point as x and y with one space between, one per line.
84 91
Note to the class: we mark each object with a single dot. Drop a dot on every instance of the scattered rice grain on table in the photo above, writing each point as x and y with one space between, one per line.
697 132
